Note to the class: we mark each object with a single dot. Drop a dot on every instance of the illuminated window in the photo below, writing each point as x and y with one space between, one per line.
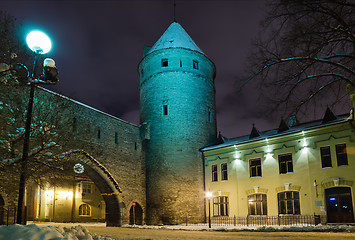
255 167
214 173
164 62
224 172
165 109
257 204
84 210
326 157
289 202
195 64
220 206
285 163
87 188
342 157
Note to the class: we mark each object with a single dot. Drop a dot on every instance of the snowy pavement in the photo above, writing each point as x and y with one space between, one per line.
99 231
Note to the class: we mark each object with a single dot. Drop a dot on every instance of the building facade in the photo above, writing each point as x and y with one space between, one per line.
289 173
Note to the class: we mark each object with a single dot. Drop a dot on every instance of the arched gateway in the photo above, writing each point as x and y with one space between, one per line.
104 181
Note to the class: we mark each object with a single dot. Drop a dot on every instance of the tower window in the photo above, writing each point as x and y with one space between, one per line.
180 63
209 116
99 134
195 64
74 124
116 137
165 109
164 62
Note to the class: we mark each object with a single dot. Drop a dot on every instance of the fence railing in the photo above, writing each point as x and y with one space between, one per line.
8 215
281 220
267 220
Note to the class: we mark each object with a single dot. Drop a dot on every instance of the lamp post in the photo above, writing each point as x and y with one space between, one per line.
208 196
39 43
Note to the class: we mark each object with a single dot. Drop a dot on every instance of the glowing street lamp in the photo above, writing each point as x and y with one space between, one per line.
208 196
39 43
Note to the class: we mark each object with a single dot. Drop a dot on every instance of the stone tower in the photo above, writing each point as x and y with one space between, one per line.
177 101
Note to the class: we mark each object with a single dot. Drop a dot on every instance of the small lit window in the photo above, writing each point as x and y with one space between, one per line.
326 157
224 172
87 188
285 163
255 167
289 202
214 173
164 62
116 137
220 206
84 210
342 157
257 204
195 64
165 109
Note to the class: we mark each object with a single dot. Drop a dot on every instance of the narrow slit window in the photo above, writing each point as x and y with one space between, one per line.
180 63
209 116
165 109
164 62
74 124
195 64
116 137
99 134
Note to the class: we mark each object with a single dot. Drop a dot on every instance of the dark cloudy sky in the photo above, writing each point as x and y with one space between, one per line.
97 46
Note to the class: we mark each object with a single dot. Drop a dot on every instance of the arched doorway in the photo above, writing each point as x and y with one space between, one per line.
339 205
136 214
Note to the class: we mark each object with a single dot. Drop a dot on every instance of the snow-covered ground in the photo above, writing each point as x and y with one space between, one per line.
37 232
76 231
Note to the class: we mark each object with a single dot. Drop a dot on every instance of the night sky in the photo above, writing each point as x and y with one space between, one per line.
97 46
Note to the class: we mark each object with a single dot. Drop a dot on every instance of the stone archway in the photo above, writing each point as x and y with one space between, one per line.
104 181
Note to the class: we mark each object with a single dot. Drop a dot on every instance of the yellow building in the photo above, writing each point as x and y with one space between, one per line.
302 172
76 199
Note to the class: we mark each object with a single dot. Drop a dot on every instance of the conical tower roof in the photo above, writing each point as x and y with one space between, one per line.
175 37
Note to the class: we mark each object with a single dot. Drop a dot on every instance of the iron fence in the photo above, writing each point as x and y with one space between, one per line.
8 215
282 220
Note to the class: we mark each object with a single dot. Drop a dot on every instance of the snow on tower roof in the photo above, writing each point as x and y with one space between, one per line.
175 37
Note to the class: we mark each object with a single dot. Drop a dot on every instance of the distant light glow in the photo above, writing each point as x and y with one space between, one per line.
65 194
332 199
38 42
208 194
